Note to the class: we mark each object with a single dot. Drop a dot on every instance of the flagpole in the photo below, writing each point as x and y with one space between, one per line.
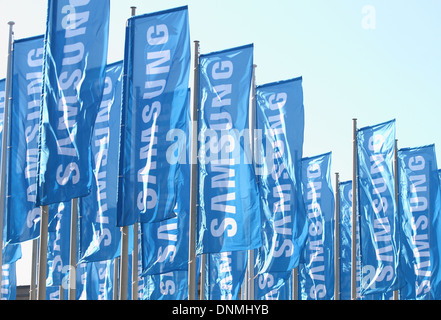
295 283
42 254
73 249
5 138
193 180
203 277
124 263
354 213
123 279
337 240
115 277
135 262
395 294
33 288
252 125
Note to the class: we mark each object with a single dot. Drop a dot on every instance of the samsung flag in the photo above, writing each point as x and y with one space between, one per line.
377 208
99 238
345 194
8 282
419 209
273 286
156 67
165 243
73 81
94 280
172 285
280 127
224 274
58 244
316 271
228 217
23 216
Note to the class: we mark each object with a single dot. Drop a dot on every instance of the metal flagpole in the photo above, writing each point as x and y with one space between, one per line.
295 284
42 254
123 279
395 294
252 125
193 180
115 277
135 262
354 213
203 277
5 138
337 240
124 263
61 293
33 288
73 249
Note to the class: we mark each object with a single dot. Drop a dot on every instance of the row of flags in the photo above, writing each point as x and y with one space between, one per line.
117 138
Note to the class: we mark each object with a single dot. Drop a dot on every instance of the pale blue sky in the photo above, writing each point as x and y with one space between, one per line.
391 71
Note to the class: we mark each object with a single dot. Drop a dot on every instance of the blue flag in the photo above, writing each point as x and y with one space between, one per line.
172 285
53 292
228 218
23 216
2 108
224 274
8 282
94 280
316 271
165 243
419 211
58 244
377 208
99 238
11 252
280 120
154 103
273 286
75 55
345 194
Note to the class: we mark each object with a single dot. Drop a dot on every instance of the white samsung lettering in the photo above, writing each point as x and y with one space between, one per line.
380 204
420 224
316 247
282 190
74 23
33 90
102 235
157 68
226 278
222 169
167 285
167 231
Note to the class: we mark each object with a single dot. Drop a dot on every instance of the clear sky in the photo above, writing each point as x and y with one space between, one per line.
373 60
